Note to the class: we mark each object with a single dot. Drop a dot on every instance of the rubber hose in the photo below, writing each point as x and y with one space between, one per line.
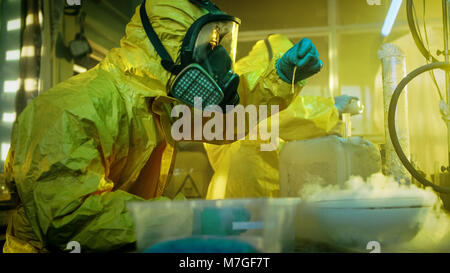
391 123
415 35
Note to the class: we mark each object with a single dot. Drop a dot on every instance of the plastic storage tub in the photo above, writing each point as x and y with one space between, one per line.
266 224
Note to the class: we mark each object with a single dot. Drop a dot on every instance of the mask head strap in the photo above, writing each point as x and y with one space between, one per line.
269 48
208 5
166 61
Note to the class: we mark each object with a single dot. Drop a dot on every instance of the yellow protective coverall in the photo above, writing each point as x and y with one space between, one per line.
89 145
241 169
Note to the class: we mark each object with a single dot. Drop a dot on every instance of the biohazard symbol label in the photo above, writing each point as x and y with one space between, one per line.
188 188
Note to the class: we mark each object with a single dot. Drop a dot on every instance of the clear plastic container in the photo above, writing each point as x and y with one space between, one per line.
394 70
266 224
329 160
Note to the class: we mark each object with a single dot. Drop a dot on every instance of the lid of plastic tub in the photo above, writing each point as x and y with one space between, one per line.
167 204
376 203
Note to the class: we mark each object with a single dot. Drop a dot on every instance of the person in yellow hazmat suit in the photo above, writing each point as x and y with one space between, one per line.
305 117
82 150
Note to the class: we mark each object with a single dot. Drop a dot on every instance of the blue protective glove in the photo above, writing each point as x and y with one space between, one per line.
200 244
304 56
343 102
219 221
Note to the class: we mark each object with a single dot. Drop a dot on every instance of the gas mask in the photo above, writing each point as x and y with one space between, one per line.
205 65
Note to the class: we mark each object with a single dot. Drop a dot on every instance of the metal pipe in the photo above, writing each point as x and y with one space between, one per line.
295 33
445 7
332 51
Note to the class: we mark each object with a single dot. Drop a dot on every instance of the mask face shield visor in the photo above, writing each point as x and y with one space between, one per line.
213 35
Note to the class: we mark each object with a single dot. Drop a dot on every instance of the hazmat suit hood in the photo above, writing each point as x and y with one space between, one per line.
138 60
